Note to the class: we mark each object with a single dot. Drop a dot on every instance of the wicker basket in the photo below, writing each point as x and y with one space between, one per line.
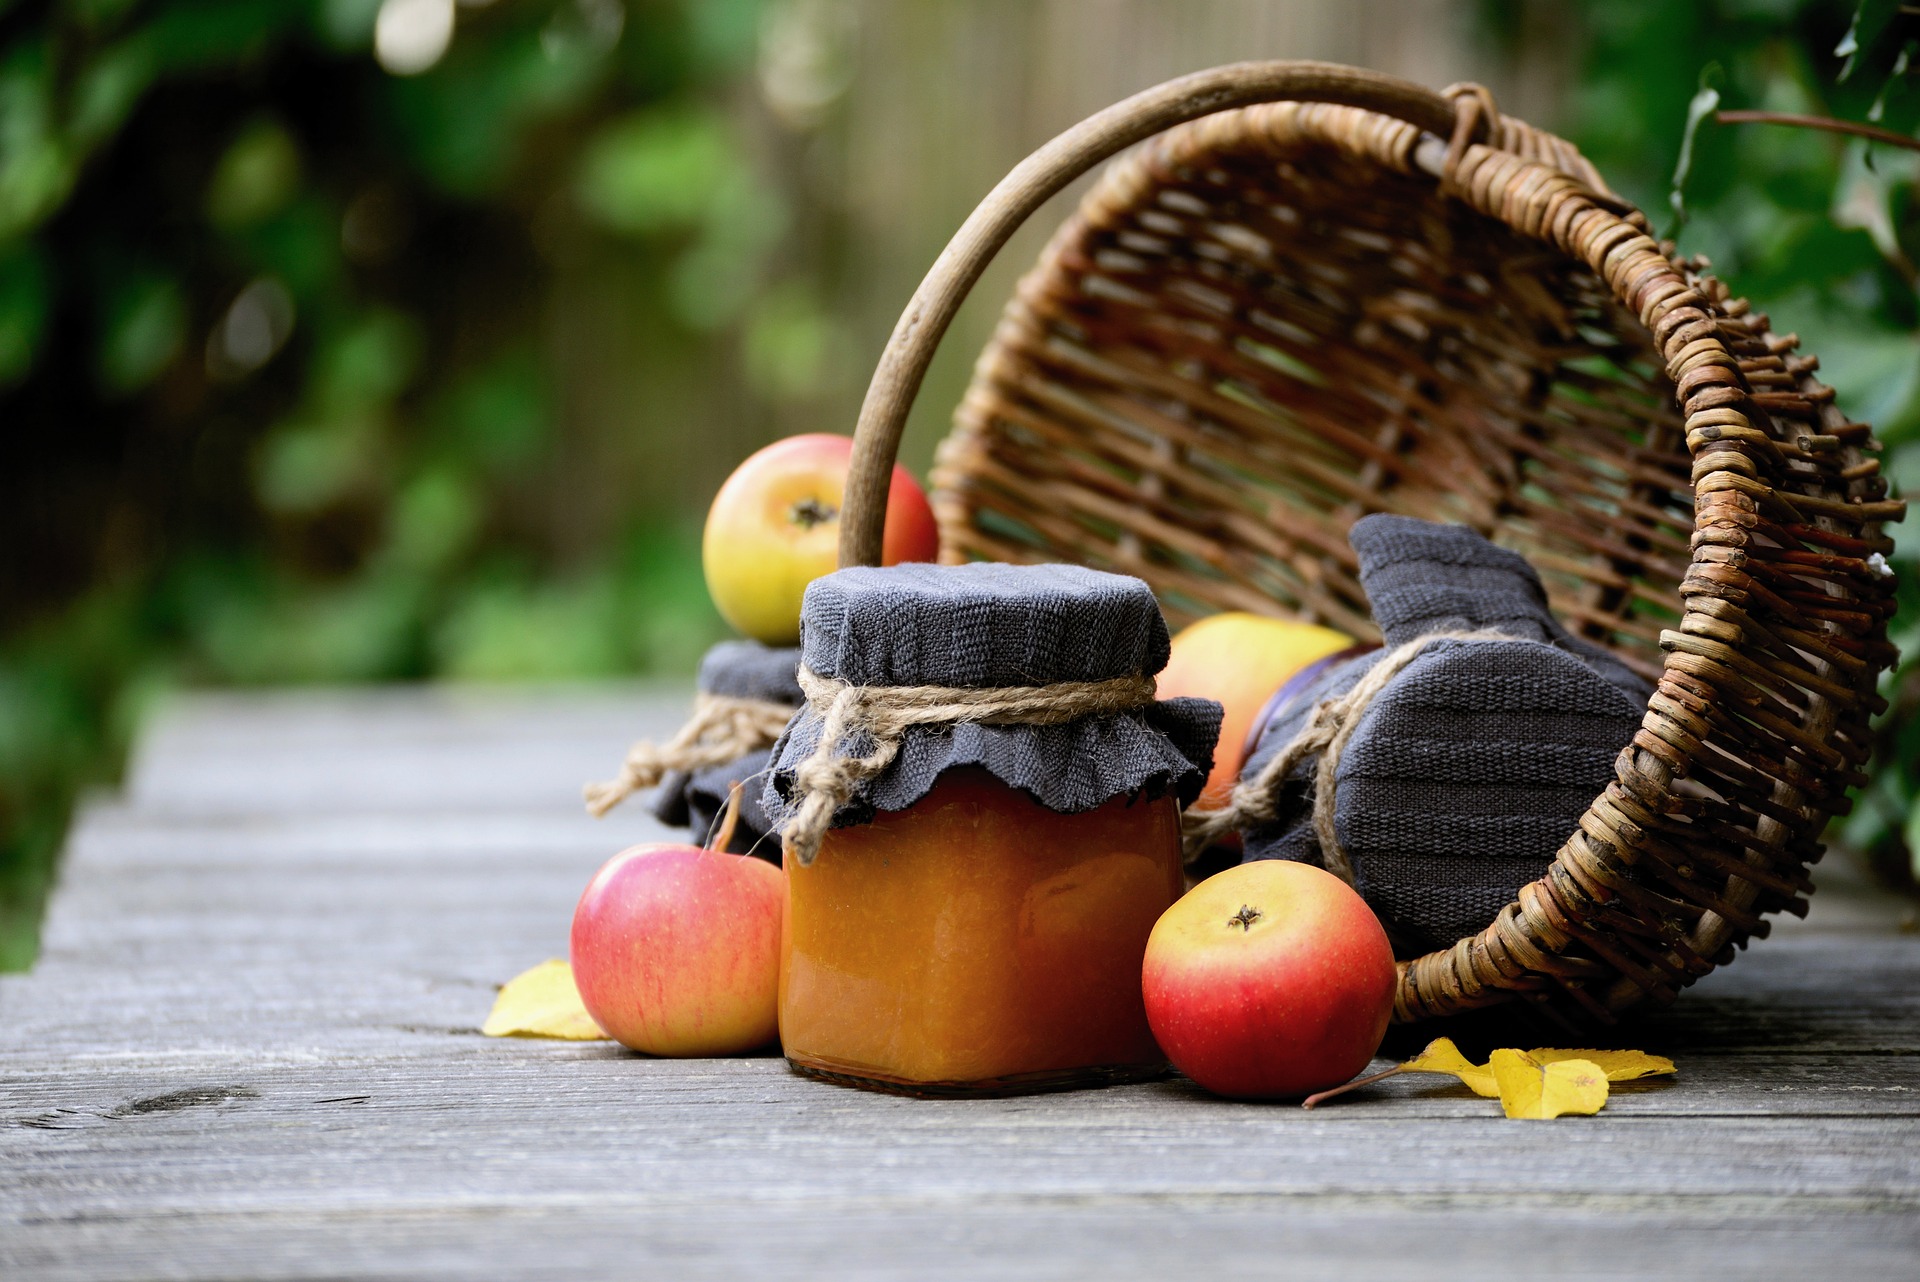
1319 292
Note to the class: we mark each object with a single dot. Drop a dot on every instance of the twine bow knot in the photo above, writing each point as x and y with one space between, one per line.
828 777
722 728
1326 732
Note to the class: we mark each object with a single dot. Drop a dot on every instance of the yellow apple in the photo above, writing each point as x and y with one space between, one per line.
1239 660
774 527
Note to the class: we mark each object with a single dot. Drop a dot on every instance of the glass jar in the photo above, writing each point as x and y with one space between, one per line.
977 943
979 809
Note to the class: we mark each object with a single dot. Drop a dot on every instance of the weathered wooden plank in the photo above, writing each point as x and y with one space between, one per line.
1019 1238
249 1051
423 1064
430 747
426 912
230 994
591 1124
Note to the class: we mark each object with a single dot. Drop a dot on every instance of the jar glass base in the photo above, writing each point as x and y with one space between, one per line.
1058 1079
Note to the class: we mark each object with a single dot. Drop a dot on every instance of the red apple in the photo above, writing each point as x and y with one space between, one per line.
1239 660
774 527
676 950
1270 979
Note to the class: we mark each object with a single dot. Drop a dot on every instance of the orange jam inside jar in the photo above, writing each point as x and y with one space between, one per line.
978 807
978 943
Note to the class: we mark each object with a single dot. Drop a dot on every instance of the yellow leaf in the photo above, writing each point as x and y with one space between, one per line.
1619 1066
1531 1089
542 1002
1442 1056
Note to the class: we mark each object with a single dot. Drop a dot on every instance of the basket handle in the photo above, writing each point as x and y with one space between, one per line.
903 364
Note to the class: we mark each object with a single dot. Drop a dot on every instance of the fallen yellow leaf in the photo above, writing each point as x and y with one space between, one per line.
1531 1089
542 1002
1442 1056
1619 1066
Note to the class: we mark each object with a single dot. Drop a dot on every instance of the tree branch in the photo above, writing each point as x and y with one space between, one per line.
1827 123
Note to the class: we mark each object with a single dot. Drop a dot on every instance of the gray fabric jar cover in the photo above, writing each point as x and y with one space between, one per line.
1470 768
693 800
991 625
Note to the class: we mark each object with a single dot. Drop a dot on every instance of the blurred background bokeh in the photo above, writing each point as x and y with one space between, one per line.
374 340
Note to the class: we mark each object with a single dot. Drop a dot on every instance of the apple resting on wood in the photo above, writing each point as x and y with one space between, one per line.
1239 660
1271 979
676 950
774 527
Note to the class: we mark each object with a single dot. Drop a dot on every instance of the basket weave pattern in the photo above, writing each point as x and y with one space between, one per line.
1267 323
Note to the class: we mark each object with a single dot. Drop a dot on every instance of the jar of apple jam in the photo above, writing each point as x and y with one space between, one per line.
754 688
994 797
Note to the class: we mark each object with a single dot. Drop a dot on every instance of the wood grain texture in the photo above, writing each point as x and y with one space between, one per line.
250 1050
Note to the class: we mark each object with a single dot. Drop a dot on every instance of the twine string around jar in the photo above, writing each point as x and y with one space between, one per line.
828 777
722 728
1326 732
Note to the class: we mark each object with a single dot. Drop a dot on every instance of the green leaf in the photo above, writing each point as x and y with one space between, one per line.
499 415
217 36
517 630
726 33
794 347
100 13
467 123
1870 19
36 169
435 519
1705 101
348 24
107 90
304 468
256 176
367 362
24 303
146 325
653 172
1896 79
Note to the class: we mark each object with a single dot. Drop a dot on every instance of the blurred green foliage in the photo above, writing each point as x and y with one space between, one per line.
295 350
278 342
1820 231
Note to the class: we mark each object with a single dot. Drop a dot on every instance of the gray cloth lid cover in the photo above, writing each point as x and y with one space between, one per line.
749 670
1471 767
989 625
740 670
1421 577
701 795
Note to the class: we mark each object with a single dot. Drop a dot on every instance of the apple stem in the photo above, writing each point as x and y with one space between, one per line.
1354 1085
724 838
